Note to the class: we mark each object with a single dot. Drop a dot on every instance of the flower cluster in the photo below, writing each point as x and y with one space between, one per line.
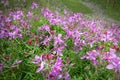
90 36
5 2
17 15
9 30
83 33
92 56
109 57
52 17
113 60
59 45
51 66
43 62
56 69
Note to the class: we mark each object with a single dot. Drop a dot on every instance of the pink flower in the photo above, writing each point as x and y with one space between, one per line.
16 15
110 66
29 14
44 27
39 62
107 36
41 67
57 69
42 61
114 64
92 56
47 40
34 5
14 33
38 59
59 45
1 67
5 3
58 40
113 25
67 76
110 55
8 19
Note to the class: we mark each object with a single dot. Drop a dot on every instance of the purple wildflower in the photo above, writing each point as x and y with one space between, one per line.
58 40
67 76
107 36
16 15
92 56
29 14
8 19
25 24
14 32
59 45
5 3
34 5
44 27
39 62
56 70
1 67
52 17
47 40
41 67
115 64
110 55
38 59
69 33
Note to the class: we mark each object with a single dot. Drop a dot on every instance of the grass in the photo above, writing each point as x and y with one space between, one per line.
76 6
110 10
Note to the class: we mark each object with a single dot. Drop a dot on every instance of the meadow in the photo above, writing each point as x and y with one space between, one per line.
43 42
110 7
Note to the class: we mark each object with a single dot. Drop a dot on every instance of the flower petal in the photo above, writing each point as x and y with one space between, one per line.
40 68
37 58
110 66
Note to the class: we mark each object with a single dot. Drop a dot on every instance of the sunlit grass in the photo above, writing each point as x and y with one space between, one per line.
76 6
111 9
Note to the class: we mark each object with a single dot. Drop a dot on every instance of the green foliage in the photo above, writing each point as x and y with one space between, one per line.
76 6
37 23
111 9
58 30
69 43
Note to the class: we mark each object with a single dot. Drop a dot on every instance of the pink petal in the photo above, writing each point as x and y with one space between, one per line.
110 66
40 68
37 58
